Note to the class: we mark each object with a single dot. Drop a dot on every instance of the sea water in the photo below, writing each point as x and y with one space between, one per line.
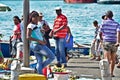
80 16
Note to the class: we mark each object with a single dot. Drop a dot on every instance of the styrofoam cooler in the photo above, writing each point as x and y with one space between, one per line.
61 76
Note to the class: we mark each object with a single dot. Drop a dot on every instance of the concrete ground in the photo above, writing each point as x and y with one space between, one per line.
84 67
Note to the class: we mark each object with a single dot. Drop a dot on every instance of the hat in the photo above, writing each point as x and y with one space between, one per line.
109 14
40 14
58 8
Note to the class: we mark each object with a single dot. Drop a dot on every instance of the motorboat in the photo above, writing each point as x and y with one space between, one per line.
4 7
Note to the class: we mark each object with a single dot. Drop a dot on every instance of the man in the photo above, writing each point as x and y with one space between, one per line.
95 47
41 21
59 33
111 38
44 28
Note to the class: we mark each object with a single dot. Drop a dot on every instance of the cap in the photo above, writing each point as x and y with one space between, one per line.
58 8
109 13
40 14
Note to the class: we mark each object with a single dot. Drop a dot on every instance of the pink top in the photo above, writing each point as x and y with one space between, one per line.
16 32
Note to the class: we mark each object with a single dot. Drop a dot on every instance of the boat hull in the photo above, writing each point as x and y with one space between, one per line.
108 2
5 48
79 1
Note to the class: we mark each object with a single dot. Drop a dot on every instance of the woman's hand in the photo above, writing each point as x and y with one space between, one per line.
42 42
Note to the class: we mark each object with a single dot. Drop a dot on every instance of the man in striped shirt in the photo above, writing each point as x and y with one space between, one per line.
110 31
59 33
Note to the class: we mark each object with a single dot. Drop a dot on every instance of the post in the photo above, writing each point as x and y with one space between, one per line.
105 72
25 41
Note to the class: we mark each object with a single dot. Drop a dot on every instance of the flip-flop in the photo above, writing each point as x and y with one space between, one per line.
112 75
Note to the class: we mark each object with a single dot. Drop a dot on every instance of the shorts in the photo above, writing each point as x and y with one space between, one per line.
109 47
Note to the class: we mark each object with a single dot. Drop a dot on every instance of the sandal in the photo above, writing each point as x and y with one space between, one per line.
93 58
118 65
112 75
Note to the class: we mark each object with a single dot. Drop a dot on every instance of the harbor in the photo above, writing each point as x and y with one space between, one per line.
80 18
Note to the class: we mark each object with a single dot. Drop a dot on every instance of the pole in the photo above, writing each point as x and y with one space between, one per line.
25 41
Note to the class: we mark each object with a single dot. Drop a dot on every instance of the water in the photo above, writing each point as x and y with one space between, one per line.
80 16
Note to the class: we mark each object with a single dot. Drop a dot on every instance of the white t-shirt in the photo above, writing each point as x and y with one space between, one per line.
36 33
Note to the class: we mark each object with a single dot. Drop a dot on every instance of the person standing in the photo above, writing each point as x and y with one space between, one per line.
96 43
47 30
110 31
41 22
16 36
44 28
69 42
59 33
38 43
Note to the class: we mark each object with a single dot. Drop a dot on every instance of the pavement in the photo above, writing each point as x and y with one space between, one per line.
85 68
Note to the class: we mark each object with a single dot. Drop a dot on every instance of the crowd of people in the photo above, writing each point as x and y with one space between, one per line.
106 40
39 33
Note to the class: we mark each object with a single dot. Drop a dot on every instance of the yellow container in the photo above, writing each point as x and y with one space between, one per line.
32 77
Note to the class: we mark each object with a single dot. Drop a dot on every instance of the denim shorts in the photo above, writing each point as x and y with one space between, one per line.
110 47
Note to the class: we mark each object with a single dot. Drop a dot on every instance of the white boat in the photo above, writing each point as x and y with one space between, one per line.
108 1
4 7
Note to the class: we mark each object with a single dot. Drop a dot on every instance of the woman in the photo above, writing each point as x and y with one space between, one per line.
38 43
69 42
47 30
16 37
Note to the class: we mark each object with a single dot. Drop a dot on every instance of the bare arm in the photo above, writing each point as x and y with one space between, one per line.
69 34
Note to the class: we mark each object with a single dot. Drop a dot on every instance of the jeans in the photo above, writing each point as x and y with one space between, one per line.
39 52
60 50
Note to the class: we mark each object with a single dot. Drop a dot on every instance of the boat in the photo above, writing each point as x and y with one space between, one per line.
76 50
79 1
108 1
4 7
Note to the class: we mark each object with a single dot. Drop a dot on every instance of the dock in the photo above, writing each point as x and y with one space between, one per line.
86 68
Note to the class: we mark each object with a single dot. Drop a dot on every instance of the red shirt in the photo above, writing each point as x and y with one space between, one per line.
60 21
16 32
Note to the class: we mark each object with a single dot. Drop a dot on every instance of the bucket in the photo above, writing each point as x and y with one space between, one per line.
61 76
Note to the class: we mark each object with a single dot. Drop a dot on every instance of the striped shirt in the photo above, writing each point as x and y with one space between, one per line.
60 21
109 30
